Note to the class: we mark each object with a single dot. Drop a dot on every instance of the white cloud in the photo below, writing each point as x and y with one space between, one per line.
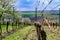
46 2
31 6
28 0
25 9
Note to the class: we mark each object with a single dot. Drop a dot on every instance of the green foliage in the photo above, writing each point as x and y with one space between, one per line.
6 7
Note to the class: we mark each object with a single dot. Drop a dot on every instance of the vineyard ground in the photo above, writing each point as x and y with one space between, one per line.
21 34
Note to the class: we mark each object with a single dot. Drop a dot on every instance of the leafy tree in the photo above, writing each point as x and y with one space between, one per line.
17 17
5 7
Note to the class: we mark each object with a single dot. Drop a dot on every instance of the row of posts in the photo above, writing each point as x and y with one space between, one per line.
39 38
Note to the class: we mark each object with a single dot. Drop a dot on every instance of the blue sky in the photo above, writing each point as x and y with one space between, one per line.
29 5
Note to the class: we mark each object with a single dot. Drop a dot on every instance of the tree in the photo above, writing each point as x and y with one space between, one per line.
5 7
17 17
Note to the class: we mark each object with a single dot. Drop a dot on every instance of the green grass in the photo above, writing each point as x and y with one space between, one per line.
4 28
51 16
30 14
19 35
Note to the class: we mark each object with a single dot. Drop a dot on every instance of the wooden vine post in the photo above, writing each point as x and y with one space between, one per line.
0 29
59 17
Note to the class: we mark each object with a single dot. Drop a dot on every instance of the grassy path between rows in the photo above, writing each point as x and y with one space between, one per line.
20 34
51 35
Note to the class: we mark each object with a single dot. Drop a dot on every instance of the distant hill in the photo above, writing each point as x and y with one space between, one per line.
52 11
46 11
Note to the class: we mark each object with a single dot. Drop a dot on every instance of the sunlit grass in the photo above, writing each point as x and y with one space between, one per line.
20 34
51 35
4 28
30 14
